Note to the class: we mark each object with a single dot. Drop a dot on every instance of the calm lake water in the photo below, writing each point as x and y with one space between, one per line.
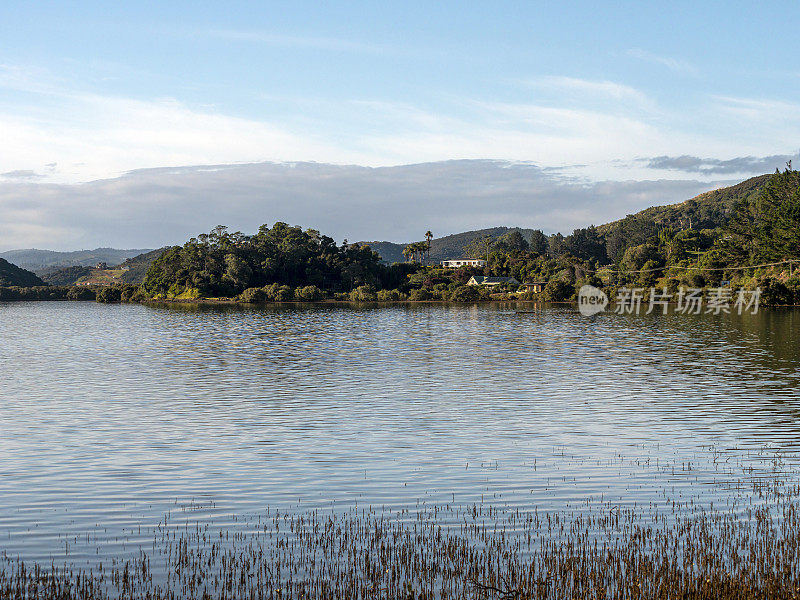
112 416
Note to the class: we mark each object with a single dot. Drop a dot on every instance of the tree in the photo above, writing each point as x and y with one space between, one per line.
633 230
766 228
538 243
480 248
109 295
414 251
428 239
555 245
557 290
464 293
513 242
586 243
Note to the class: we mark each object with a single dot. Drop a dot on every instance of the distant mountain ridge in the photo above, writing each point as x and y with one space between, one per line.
446 247
37 260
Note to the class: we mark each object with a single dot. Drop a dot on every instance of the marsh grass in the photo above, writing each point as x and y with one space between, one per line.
750 548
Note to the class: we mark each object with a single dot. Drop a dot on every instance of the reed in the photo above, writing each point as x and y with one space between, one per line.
667 550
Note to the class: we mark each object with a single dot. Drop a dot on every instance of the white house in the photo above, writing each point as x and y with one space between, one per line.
491 281
463 262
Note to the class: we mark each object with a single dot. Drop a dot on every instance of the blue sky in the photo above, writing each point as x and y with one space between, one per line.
595 92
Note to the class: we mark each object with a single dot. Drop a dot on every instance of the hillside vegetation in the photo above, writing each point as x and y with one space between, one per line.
66 275
721 236
12 275
135 269
707 211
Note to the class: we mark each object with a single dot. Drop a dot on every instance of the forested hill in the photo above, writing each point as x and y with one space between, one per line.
706 211
138 265
12 275
709 210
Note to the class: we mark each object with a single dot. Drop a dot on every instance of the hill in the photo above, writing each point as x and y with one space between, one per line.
132 270
706 211
444 248
65 276
33 259
12 275
135 269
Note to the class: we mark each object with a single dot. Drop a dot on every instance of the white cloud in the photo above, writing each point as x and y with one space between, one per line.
153 207
92 136
580 125
97 136
759 125
673 64
760 109
582 87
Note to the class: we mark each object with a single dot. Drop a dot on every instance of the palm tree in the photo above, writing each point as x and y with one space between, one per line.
412 250
428 238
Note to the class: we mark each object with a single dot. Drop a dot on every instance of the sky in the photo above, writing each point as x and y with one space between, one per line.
143 123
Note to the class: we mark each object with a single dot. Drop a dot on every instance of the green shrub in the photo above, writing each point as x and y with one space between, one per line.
363 293
418 294
465 293
388 295
278 293
647 278
696 280
309 293
80 293
774 292
557 290
285 294
253 295
109 295
133 293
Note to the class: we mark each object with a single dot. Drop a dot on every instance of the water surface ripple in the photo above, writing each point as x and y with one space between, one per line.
111 416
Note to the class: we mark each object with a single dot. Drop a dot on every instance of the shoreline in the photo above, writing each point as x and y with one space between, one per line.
329 302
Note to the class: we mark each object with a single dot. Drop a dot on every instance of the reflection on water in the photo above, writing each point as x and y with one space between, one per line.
111 416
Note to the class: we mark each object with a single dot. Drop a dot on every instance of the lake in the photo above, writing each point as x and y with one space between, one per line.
112 416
